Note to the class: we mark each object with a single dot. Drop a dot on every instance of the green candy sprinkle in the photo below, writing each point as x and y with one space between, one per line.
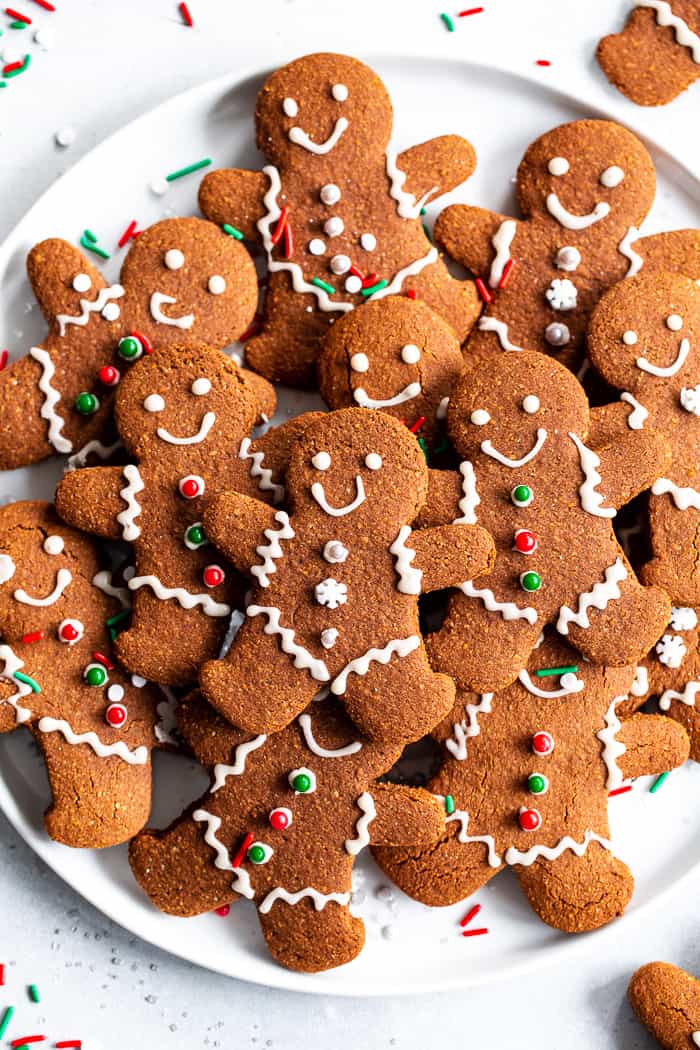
196 535
375 288
34 686
129 348
118 617
323 284
188 170
530 581
34 993
547 672
658 782
18 25
302 783
449 805
91 247
90 236
87 404
256 854
521 495
537 784
95 675
448 22
427 233
6 1018
232 231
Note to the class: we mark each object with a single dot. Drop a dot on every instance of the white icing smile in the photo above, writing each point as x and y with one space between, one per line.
158 299
300 138
575 222
569 684
670 370
407 394
194 439
488 448
318 493
63 578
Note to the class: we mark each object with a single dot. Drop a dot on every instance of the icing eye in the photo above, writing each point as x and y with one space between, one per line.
7 568
629 338
259 853
216 285
340 264
201 386
330 194
359 362
321 461
174 259
368 241
54 544
302 780
334 226
480 417
339 92
531 404
674 322
154 403
373 460
558 166
410 354
316 246
611 177
290 107
81 282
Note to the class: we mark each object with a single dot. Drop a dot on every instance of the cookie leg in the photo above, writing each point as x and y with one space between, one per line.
644 612
577 894
287 348
301 938
675 538
667 1001
457 301
23 432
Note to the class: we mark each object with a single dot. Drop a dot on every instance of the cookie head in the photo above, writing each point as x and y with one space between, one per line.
320 106
188 282
645 334
181 405
587 173
511 405
357 470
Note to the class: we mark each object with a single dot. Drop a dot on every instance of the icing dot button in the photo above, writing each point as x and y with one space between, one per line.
330 194
568 258
213 576
191 486
368 241
558 166
259 853
542 743
529 819
130 348
116 715
70 631
522 496
54 545
108 375
87 404
95 675
530 581
537 784
280 818
195 536
525 541
302 781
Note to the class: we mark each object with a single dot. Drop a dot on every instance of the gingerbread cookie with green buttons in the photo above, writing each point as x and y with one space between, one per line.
338 212
666 1000
183 283
281 825
525 780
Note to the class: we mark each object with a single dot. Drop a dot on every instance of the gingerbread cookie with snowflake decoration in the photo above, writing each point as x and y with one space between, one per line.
520 423
667 1002
583 190
337 211
282 823
183 283
528 771
336 583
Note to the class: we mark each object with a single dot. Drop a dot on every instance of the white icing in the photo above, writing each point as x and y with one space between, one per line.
137 757
690 399
487 447
81 282
329 636
492 324
359 363
174 259
612 748
154 403
240 755
683 33
669 370
7 568
469 499
330 194
640 685
597 598
407 207
261 474
12 663
625 248
441 412
103 581
318 493
303 659
290 107
568 258
575 222
630 337
527 857
366 803
688 696
591 500
87 307
51 399
501 241
531 404
558 334
558 166
464 730
331 593
324 752
611 177
683 496
508 610
339 92
208 420
373 461
183 597
320 899
569 684
368 241
562 294
674 322
400 647
241 883
480 417
334 551
411 270
410 578
683 618
410 354
63 578
407 394
488 840
201 386
126 518
270 552
321 461
159 299
216 284
639 414
316 246
671 650
300 138
54 544
101 451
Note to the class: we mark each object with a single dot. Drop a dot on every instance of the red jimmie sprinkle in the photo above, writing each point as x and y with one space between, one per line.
223 910
186 16
12 67
355 272
543 62
27 21
281 223
45 4
470 11
370 279
33 636
65 1044
2 973
470 915
242 850
3 359
417 425
288 241
483 291
411 293
507 270
475 933
144 340
128 234
27 1039
620 790
102 659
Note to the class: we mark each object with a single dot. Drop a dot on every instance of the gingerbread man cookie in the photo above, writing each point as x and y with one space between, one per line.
183 283
336 583
281 825
667 1002
657 54
95 726
398 356
528 771
520 424
583 190
338 213
644 339
184 415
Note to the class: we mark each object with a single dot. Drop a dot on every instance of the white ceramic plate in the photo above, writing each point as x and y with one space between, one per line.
410 948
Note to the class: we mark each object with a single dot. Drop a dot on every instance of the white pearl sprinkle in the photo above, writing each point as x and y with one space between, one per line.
410 354
217 285
368 241
339 92
317 246
65 137
321 461
373 461
334 226
353 284
629 338
340 264
330 194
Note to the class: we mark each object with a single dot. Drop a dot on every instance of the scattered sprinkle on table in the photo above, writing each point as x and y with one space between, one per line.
11 13
65 136
543 62
448 22
34 993
45 4
6 1018
65 1044
129 232
469 11
620 790
3 359
27 1039
658 782
197 166
89 242
185 12
475 933
466 919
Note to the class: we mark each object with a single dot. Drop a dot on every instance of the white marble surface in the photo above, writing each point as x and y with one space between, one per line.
109 63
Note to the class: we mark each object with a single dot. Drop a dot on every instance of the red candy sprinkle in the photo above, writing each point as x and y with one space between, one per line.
102 659
242 850
74 1044
507 270
279 819
223 910
525 542
3 359
542 743
68 632
411 293
280 225
108 375
191 486
288 242
186 16
17 16
529 819
466 919
33 636
475 933
116 715
543 62
144 340
128 234
483 290
213 575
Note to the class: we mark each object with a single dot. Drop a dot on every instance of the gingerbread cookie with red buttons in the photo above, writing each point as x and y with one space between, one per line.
520 424
337 211
666 1000
398 356
183 283
583 190
336 582
525 779
657 54
184 415
281 825
96 727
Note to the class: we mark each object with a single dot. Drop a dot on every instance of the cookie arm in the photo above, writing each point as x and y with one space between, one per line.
653 744
442 504
449 554
277 443
631 464
667 1001
234 196
212 739
91 500
263 392
677 251
406 816
236 524
466 234
438 165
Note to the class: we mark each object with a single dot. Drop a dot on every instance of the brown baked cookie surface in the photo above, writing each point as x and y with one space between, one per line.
583 190
282 823
667 1002
529 769
183 283
337 212
657 54
396 355
95 726
336 583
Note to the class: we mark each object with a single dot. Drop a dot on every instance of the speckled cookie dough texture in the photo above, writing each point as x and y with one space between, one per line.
337 211
667 1002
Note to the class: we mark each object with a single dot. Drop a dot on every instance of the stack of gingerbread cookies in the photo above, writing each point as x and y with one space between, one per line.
491 537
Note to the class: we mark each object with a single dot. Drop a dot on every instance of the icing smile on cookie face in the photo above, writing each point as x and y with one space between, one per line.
322 462
52 545
530 405
674 322
609 177
155 403
174 260
300 137
359 364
